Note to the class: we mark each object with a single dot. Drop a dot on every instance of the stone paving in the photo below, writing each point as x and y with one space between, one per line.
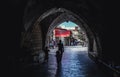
75 63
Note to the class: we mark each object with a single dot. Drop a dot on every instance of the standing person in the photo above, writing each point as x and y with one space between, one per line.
46 50
58 57
54 43
60 48
51 44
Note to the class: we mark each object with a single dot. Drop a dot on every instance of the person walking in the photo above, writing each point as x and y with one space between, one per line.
58 57
46 51
61 49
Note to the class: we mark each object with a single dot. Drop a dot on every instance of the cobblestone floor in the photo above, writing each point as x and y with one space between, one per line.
75 63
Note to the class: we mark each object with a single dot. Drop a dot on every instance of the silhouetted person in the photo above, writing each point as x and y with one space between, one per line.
58 57
59 72
46 50
60 48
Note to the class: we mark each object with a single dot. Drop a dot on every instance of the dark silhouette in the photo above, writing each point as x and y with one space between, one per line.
61 49
58 57
46 51
59 72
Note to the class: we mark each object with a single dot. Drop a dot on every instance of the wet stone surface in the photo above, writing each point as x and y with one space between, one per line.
75 63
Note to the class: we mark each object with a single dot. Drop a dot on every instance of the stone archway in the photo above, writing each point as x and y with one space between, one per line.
94 44
58 16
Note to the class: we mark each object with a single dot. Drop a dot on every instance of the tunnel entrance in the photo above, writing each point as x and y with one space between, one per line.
72 61
35 18
94 47
36 34
37 31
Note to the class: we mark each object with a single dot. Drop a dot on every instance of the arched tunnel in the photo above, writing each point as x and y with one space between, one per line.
29 23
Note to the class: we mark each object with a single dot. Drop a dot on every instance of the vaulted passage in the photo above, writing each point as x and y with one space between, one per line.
32 22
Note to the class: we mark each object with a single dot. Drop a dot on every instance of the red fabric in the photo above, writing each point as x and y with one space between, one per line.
62 32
